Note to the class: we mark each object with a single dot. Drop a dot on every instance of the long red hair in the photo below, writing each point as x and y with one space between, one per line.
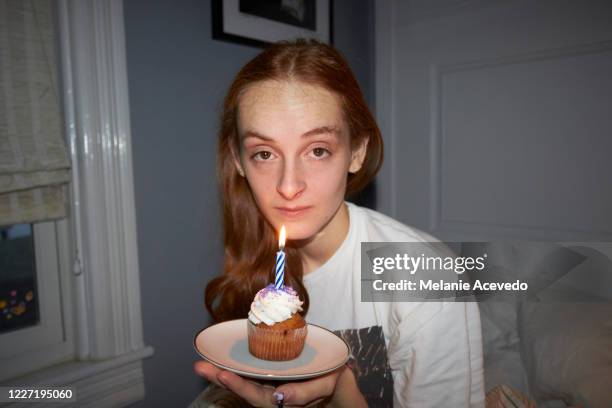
250 241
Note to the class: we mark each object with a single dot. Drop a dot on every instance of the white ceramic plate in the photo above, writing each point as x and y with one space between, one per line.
226 346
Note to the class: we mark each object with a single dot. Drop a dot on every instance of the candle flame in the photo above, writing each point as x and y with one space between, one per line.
281 239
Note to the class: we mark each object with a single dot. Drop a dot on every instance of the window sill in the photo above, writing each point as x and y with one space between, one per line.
114 382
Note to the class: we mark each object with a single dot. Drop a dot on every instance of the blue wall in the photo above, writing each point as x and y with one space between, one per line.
177 78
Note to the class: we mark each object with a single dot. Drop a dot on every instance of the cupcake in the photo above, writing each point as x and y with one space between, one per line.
276 331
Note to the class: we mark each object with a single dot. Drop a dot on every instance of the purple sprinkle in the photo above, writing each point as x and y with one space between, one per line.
271 289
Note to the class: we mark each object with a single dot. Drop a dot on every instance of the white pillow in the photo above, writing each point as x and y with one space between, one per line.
567 351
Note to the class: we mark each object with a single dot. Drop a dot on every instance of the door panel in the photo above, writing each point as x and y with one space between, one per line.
499 122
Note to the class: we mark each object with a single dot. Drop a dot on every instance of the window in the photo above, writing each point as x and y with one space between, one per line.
98 330
18 292
35 331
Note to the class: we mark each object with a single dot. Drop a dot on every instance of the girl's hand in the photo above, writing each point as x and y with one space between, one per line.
254 393
339 388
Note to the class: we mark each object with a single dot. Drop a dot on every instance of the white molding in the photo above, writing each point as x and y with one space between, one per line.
478 231
103 191
540 55
451 227
107 286
110 383
435 148
384 103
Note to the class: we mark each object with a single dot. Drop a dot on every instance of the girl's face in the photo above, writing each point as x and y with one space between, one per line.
295 153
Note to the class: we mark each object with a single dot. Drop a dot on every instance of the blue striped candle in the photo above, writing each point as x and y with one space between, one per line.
279 280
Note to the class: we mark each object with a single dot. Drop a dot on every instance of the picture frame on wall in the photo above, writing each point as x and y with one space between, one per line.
262 22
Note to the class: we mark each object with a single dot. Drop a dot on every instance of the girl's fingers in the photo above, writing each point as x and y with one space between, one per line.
299 393
208 371
254 393
306 392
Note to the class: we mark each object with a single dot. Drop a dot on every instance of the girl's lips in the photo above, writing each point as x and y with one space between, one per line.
292 212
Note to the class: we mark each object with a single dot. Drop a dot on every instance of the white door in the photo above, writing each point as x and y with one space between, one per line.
497 117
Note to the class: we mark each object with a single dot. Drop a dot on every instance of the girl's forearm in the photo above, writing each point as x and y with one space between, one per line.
347 392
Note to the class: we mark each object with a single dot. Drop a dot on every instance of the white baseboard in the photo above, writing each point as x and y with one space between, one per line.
115 382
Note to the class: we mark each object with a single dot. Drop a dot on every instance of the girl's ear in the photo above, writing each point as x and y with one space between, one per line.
358 156
237 163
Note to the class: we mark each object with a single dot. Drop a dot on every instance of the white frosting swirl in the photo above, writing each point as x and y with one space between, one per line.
273 305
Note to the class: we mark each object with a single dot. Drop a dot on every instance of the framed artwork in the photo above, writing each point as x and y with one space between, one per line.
261 22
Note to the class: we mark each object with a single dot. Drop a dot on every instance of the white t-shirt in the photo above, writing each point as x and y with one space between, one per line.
433 349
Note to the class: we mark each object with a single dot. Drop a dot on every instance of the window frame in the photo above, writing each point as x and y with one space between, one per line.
51 340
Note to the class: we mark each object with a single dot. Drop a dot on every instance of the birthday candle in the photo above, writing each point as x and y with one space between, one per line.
279 280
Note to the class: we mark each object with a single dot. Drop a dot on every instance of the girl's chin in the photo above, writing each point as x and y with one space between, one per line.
297 231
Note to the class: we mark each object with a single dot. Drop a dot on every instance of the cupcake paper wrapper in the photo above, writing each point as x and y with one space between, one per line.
276 345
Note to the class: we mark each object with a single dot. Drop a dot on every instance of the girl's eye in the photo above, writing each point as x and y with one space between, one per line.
262 155
320 152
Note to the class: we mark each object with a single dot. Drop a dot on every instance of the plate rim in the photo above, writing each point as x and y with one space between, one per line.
272 376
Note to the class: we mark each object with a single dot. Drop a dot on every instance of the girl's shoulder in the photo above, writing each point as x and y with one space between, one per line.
382 228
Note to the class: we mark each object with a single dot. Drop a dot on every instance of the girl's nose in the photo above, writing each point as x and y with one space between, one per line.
291 183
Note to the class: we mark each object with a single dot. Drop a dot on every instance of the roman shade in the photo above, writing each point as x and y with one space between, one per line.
34 161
